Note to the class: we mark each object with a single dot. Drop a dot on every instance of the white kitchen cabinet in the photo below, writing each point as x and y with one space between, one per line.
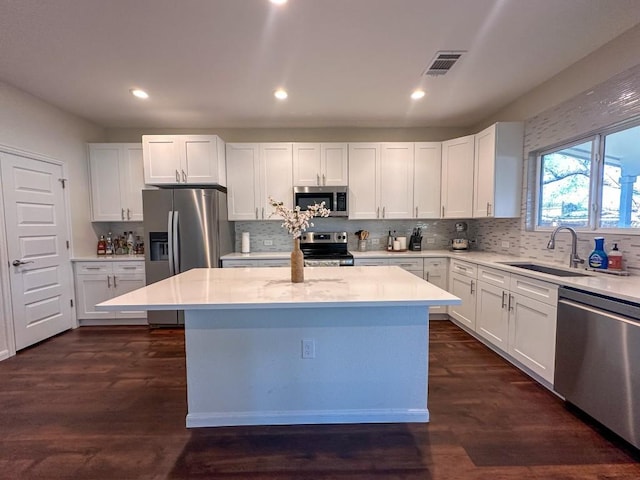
255 172
96 282
462 283
319 164
427 178
413 265
498 167
381 180
435 271
255 263
370 262
117 181
457 177
184 160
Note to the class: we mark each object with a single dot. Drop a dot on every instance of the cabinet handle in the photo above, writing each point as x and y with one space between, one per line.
128 214
416 212
184 177
122 214
488 209
324 179
473 284
443 211
177 176
262 213
511 306
256 213
129 268
317 179
92 268
383 212
108 281
504 300
378 212
427 279
114 282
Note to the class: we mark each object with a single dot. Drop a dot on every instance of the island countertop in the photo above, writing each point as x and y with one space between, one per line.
246 288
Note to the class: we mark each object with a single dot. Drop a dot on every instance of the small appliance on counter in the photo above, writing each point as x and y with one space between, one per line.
461 242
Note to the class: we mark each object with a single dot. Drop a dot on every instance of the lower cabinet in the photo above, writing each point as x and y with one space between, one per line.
96 282
462 283
517 314
435 271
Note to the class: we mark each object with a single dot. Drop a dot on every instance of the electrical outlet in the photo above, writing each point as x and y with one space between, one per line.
268 243
308 348
505 244
431 240
375 241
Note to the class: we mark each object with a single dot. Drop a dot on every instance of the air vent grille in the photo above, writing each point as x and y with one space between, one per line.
442 62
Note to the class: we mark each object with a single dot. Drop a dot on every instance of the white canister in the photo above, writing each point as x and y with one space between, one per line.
403 243
246 243
396 245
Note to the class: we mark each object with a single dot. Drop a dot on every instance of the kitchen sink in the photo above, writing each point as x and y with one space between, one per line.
558 272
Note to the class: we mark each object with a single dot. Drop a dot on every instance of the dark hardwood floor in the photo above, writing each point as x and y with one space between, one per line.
110 403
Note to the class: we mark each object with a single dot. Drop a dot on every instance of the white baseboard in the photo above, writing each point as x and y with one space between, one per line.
113 322
4 354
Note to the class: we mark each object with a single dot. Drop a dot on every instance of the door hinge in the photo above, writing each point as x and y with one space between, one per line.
63 181
71 302
67 244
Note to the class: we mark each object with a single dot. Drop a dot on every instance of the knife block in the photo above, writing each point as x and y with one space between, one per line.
415 243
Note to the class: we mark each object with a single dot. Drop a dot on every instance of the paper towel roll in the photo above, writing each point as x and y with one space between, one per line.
246 243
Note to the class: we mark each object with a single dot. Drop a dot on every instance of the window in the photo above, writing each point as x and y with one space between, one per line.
576 189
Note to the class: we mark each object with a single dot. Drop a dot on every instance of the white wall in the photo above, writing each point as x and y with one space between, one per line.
27 123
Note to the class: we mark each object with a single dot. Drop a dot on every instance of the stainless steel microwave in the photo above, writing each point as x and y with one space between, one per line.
334 198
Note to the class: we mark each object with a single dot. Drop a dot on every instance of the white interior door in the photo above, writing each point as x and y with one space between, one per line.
36 227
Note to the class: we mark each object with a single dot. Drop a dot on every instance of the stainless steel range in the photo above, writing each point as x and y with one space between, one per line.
325 249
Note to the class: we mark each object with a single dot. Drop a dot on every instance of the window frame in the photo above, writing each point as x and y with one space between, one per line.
596 179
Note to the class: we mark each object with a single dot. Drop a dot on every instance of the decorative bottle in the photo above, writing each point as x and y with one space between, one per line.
597 258
297 262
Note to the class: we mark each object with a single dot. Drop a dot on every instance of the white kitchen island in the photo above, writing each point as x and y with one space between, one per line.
349 345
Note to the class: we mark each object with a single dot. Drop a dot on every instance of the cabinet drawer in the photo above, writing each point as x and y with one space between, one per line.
128 267
494 277
412 264
536 289
93 267
275 263
433 264
464 268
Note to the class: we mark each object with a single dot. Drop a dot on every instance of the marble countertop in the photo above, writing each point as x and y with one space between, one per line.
626 288
248 288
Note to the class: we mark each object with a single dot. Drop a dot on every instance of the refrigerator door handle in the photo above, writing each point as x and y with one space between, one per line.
170 241
176 243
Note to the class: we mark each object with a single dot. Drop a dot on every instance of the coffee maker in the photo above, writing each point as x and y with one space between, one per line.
460 242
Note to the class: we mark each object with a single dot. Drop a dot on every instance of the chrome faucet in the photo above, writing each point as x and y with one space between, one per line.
575 259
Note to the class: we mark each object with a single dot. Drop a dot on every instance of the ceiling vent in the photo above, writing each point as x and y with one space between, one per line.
442 62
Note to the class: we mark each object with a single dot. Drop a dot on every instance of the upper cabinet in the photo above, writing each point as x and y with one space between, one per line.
381 180
426 180
117 181
256 172
457 177
498 151
184 160
317 164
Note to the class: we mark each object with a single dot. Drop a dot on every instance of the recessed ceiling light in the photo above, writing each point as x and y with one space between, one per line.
136 92
278 2
417 94
280 94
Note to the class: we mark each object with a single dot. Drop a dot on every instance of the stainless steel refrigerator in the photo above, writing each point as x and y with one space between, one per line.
185 228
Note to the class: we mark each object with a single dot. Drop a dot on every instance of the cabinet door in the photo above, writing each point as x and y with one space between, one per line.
276 172
243 184
364 180
90 290
161 154
306 165
492 314
532 334
104 161
426 184
132 181
334 166
464 288
484 177
200 159
124 284
396 180
457 177
435 272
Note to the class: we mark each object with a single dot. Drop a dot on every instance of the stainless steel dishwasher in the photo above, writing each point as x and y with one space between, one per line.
598 359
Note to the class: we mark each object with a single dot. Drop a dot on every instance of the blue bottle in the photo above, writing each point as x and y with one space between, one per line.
597 258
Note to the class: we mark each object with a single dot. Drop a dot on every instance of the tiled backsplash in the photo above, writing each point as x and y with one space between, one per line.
436 234
611 102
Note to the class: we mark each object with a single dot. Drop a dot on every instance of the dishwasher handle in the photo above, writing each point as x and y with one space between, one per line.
601 302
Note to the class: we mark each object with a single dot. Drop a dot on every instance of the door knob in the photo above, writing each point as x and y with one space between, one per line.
17 263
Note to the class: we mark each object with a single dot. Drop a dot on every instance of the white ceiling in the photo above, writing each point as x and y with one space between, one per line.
215 63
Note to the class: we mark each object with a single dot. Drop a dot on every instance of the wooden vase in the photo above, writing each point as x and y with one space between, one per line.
297 263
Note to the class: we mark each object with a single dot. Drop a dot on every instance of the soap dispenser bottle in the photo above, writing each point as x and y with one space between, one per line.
597 258
615 258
